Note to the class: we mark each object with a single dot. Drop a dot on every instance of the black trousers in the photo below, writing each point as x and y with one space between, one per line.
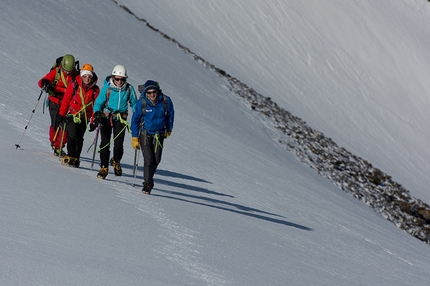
53 113
152 151
118 131
75 137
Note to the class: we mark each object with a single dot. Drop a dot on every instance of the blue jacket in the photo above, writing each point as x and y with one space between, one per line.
155 118
118 98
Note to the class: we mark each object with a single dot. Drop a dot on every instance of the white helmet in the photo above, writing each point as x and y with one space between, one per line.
119 70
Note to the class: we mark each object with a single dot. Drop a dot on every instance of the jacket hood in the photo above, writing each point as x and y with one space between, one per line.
109 82
159 98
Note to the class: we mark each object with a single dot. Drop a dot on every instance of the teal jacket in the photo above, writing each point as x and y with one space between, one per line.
119 98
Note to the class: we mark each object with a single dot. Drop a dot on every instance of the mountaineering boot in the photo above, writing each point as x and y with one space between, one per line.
70 161
116 167
76 163
66 160
146 189
103 173
59 152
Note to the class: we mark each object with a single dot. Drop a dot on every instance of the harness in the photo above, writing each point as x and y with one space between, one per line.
121 116
77 113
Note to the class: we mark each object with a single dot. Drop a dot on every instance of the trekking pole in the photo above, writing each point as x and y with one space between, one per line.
55 136
136 155
95 145
134 167
94 141
44 100
61 141
34 110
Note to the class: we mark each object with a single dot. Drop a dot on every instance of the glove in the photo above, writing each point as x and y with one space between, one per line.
61 121
46 85
94 124
96 121
135 143
97 115
92 127
168 133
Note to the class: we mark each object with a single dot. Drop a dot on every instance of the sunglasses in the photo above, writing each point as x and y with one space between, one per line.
151 92
119 79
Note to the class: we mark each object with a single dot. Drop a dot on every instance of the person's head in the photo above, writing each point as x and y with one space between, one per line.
151 90
68 63
87 73
119 75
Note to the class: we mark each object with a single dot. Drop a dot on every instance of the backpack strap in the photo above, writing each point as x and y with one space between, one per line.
107 96
75 88
165 105
57 75
94 93
129 91
143 108
142 120
109 90
165 111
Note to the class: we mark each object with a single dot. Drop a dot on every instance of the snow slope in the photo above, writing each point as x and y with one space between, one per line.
230 206
355 70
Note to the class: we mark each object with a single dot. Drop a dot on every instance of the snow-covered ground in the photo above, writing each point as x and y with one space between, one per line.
230 206
355 70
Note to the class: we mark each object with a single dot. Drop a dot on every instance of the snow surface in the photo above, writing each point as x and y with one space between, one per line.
357 71
230 206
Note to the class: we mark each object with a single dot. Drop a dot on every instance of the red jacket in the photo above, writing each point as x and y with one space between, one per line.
60 88
72 100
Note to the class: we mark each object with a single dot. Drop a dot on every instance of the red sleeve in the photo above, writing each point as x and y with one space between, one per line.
64 107
49 76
